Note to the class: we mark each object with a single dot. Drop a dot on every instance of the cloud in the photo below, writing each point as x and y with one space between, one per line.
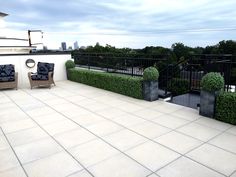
133 23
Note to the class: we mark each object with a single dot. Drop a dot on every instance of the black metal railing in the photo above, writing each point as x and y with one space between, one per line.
116 63
224 64
190 70
194 68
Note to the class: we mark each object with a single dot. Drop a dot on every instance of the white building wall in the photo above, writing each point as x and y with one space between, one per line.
20 67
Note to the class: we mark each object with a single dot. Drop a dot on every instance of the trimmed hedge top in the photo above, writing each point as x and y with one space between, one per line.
126 85
212 82
69 64
150 74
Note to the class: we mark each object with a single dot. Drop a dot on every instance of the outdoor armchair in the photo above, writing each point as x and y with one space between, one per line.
43 77
8 76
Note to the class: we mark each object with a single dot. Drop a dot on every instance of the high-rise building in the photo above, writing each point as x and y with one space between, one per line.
63 46
45 47
76 46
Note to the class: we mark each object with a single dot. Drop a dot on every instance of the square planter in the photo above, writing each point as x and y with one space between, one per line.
207 103
67 74
150 90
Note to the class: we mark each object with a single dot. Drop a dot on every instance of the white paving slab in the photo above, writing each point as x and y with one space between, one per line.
93 152
82 173
125 139
185 167
170 121
57 165
149 129
74 137
215 158
60 127
8 160
37 150
70 110
119 166
15 126
3 142
104 128
14 172
152 155
232 130
209 122
198 131
178 142
26 136
225 141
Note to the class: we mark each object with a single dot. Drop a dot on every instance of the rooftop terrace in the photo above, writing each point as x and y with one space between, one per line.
73 130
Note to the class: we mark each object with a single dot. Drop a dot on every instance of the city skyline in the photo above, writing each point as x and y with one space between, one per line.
120 23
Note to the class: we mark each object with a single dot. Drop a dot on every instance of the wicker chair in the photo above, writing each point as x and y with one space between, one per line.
8 77
43 77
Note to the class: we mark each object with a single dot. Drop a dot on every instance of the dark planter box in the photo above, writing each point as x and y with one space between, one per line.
67 74
150 90
207 103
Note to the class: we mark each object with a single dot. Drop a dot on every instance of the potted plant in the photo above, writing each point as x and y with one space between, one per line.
150 84
211 85
69 64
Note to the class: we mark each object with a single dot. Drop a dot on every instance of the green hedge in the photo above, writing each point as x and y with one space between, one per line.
126 85
178 86
225 107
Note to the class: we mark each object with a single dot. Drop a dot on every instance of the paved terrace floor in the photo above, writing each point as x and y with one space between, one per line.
73 130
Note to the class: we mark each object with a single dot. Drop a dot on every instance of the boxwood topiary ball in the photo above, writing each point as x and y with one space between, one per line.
150 74
212 82
70 64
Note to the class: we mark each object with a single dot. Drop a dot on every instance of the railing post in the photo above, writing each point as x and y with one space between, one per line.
132 63
190 78
107 62
167 76
190 74
88 62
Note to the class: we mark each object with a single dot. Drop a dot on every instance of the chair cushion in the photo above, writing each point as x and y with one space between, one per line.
45 68
7 73
7 79
39 77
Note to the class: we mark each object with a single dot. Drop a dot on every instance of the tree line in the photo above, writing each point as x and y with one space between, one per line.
176 52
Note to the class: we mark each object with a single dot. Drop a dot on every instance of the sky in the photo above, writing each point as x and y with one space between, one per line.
123 23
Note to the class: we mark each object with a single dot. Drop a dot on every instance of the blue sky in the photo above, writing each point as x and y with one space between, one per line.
125 23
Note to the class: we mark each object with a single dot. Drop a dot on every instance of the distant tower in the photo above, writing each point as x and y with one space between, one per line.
63 46
45 47
76 46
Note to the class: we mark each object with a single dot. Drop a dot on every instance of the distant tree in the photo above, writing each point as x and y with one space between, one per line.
181 51
211 49
178 51
198 50
227 47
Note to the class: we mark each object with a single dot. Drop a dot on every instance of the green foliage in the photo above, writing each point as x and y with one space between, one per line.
225 107
212 82
227 47
150 74
223 47
183 52
69 64
178 49
126 85
160 66
178 86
